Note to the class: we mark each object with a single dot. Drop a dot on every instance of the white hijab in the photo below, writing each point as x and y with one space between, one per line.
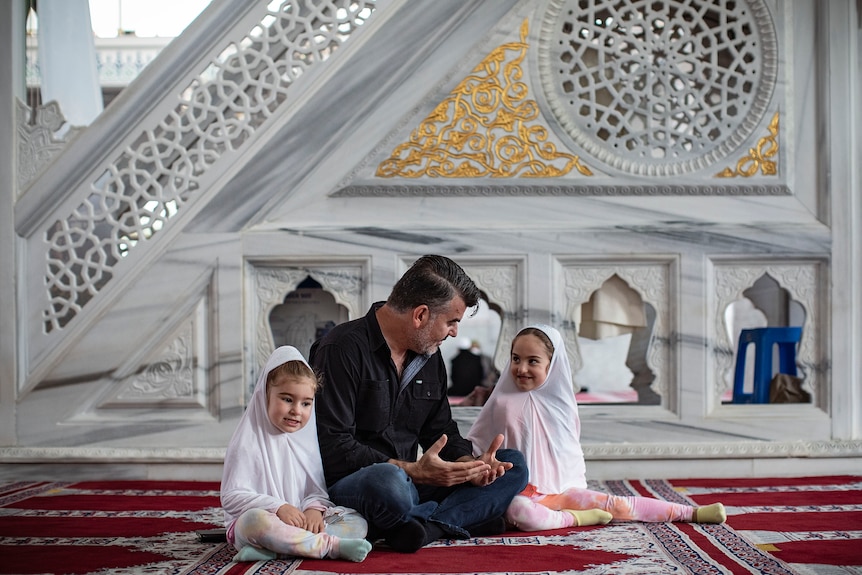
265 467
542 423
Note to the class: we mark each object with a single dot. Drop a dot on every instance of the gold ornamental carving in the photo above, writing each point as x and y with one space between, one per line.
759 157
486 127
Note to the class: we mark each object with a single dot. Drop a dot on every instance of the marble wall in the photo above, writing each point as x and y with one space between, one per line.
486 131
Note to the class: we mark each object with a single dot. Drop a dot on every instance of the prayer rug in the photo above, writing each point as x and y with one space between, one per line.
781 526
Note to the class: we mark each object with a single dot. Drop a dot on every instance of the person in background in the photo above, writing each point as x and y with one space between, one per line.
480 393
467 369
490 374
272 489
534 406
384 396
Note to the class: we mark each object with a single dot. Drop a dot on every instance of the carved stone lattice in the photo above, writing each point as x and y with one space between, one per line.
658 88
486 127
500 284
38 140
651 282
272 283
160 172
803 282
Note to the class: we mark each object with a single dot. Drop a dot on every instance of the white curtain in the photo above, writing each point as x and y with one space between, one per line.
67 58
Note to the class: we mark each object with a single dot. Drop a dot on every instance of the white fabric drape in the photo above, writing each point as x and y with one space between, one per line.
542 423
265 467
67 59
614 309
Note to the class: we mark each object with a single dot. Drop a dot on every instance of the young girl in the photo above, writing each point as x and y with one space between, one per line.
272 490
534 405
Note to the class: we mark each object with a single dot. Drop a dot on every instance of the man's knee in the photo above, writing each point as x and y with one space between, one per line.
513 456
519 473
382 493
378 485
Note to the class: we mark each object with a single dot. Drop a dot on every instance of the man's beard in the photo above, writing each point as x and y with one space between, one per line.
424 342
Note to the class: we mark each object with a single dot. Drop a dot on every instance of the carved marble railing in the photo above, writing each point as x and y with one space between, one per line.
109 205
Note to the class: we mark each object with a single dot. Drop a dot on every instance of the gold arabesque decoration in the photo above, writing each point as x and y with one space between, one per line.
485 128
758 157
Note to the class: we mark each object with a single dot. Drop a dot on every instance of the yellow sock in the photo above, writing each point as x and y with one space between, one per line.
590 517
714 513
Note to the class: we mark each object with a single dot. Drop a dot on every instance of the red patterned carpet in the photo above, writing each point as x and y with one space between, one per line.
801 526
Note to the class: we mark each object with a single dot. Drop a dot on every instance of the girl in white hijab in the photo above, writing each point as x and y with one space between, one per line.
534 405
273 493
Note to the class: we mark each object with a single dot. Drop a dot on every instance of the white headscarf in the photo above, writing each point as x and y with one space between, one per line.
265 467
542 423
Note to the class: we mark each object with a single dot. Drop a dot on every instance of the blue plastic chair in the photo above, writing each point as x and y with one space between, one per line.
764 338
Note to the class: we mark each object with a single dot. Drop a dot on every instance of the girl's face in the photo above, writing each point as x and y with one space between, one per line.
530 362
289 401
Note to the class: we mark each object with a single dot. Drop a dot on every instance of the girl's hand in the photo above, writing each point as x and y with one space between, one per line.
291 515
314 520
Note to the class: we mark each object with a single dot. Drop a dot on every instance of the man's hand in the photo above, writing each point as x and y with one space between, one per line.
291 515
496 469
432 470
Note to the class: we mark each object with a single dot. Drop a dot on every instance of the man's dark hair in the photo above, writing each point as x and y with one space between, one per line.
433 281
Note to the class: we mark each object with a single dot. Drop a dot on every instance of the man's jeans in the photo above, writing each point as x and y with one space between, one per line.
385 495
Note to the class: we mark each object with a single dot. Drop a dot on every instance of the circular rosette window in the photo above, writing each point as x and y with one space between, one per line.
662 87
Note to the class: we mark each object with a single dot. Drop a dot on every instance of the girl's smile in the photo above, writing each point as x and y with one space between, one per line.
530 362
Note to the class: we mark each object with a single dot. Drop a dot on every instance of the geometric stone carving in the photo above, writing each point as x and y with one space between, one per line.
150 182
651 280
658 88
804 282
38 142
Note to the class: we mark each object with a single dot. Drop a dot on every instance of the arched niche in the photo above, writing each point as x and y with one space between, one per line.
764 304
615 329
305 315
806 301
270 283
650 353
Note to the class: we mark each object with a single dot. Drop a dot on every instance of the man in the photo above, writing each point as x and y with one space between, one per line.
384 395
